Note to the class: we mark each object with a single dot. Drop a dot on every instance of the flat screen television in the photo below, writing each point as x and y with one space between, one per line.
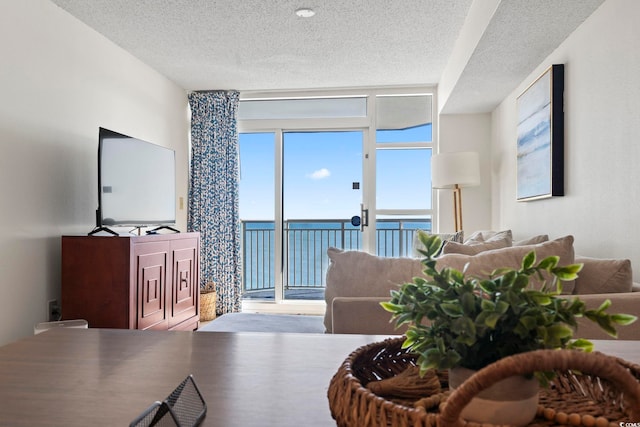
136 183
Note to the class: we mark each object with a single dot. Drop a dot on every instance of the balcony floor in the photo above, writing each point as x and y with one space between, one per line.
296 294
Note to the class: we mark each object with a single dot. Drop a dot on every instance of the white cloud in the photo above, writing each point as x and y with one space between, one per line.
320 174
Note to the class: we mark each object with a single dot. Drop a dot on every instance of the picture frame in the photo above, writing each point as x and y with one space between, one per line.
540 137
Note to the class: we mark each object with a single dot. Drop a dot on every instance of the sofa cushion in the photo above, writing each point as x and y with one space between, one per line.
620 303
359 274
363 315
482 264
599 276
444 237
474 247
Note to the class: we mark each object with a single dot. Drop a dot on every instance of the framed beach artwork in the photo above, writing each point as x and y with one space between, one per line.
540 149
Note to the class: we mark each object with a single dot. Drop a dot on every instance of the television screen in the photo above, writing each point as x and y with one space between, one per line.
136 182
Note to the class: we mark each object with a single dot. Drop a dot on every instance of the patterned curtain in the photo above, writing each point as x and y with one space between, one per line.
213 193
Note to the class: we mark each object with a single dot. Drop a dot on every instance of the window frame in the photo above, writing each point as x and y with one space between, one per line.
367 125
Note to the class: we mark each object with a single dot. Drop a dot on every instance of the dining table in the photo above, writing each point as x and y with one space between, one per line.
82 377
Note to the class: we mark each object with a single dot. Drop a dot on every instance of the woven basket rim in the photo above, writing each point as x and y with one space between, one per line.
348 386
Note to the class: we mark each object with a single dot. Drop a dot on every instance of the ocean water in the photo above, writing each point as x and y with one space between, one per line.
307 243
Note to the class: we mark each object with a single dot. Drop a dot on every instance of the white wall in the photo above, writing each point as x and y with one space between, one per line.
60 81
466 132
602 142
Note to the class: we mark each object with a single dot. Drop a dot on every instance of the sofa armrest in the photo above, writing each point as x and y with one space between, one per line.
624 302
362 315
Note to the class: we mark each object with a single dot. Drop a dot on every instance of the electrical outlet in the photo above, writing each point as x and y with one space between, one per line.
53 312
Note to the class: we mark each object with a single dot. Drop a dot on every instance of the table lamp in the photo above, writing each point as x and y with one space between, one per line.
455 170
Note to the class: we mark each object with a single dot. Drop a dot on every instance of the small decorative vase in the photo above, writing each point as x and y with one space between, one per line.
512 401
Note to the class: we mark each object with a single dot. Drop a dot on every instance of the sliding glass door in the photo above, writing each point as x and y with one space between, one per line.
321 192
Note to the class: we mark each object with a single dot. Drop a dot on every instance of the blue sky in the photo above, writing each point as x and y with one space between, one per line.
320 168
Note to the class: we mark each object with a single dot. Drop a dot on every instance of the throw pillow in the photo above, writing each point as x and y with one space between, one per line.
532 240
482 264
475 236
602 276
445 237
474 239
490 235
499 235
473 248
487 234
359 274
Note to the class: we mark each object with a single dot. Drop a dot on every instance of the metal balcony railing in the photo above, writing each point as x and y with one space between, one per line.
306 243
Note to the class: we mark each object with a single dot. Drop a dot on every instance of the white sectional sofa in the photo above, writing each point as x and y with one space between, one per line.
357 282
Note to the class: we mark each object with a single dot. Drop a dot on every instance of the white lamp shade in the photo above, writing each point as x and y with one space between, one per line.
449 169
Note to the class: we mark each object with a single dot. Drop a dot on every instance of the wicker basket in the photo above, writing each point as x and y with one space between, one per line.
208 302
605 391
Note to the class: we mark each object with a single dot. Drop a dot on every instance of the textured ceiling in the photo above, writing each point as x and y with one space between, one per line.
261 45
521 34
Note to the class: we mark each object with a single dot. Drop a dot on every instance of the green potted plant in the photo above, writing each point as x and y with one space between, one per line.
464 323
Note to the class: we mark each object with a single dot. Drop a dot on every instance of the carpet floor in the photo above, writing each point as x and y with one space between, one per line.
254 322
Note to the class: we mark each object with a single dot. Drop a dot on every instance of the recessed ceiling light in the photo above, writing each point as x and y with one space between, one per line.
305 12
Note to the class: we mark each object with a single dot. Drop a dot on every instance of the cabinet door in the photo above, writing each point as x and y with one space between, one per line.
183 303
96 273
151 284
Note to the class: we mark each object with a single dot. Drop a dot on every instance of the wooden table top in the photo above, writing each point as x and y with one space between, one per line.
81 377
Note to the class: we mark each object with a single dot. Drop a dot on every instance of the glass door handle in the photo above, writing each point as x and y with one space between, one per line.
362 220
365 217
